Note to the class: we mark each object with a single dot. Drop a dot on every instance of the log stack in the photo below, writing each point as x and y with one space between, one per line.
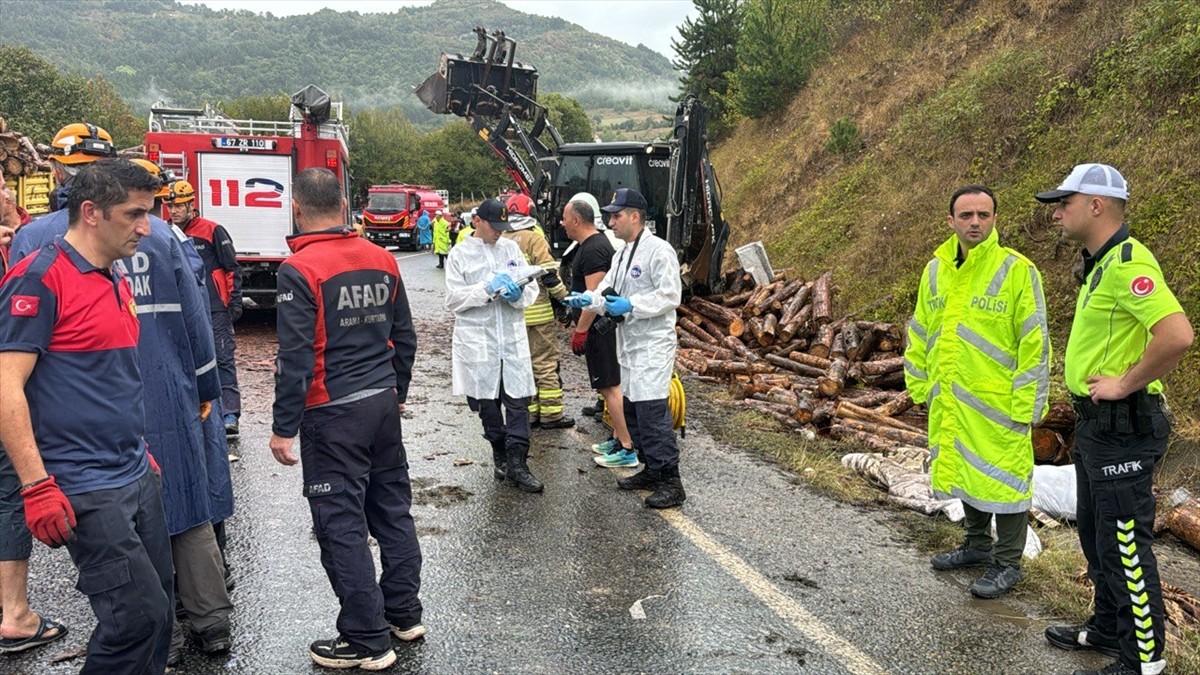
781 349
18 155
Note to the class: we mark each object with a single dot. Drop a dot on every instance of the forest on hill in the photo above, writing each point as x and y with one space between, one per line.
187 54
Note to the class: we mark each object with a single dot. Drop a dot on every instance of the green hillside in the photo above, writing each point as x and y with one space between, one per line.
188 54
1011 94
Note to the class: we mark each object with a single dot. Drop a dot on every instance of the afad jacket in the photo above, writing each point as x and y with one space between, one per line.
979 354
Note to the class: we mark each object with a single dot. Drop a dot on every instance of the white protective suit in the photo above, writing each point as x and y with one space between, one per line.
646 340
488 336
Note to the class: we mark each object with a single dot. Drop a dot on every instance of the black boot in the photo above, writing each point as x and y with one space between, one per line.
669 491
646 479
499 459
517 470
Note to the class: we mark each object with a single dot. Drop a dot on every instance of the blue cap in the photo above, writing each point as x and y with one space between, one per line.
494 212
625 198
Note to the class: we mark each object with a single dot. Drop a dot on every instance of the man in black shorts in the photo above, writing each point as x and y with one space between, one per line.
588 267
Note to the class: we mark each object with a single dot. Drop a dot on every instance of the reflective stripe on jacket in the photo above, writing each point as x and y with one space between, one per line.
979 354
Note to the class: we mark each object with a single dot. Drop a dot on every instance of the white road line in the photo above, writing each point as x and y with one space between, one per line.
397 255
787 608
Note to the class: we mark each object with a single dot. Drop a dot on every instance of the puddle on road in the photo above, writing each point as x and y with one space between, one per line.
441 496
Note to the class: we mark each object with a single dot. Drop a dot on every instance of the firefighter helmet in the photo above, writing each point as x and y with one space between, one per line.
179 192
80 143
146 164
520 204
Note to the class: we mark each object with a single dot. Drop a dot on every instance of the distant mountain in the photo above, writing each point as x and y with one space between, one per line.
188 54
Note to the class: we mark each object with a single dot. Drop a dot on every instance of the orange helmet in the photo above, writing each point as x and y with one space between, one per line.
520 204
80 143
179 192
146 164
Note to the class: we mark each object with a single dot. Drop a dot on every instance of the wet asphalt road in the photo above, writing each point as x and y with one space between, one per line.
756 574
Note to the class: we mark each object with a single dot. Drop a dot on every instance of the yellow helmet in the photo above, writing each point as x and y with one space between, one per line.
80 143
146 164
179 192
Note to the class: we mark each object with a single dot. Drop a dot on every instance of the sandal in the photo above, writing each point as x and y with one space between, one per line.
14 645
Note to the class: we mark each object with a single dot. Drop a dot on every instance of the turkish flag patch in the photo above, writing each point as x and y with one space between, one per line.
1141 286
25 305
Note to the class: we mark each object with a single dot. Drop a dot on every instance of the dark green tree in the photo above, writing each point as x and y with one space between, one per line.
568 116
706 53
781 41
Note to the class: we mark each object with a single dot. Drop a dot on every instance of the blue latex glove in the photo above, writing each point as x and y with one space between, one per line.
498 283
511 291
578 300
615 305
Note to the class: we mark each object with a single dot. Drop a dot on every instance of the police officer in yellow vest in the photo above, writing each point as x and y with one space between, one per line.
1128 331
979 355
546 409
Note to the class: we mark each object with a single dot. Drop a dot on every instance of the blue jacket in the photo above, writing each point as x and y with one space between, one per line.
424 230
178 365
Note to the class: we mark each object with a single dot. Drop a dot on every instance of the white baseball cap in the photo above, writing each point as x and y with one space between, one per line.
1100 180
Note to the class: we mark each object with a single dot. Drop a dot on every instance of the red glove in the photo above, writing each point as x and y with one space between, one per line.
578 342
48 513
153 464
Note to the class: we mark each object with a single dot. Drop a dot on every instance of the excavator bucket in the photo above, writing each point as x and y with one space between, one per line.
483 83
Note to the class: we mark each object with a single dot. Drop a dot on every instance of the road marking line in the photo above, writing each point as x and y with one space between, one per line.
398 257
776 600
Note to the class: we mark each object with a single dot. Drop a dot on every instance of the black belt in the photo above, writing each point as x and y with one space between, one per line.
1130 406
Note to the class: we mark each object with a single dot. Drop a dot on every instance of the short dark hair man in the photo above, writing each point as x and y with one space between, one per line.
1128 332
344 394
69 332
642 288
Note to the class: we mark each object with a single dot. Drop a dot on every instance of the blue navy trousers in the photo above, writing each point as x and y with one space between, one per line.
356 482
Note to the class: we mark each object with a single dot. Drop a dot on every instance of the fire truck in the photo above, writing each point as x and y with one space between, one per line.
390 216
242 171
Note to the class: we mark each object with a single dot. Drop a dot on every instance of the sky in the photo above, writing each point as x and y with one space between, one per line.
649 22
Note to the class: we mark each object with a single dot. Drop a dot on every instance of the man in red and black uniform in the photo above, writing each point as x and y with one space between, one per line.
346 350
71 416
224 281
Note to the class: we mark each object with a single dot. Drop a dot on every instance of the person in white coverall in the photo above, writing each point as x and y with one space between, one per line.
641 291
491 364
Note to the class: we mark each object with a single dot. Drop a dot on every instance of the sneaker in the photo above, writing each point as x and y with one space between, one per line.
414 632
337 653
214 640
231 425
960 557
560 423
1118 667
1085 636
607 447
589 410
620 458
996 581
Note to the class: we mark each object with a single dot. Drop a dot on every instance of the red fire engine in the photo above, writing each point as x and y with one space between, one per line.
390 216
242 171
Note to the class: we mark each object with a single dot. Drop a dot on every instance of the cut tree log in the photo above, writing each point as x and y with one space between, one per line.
867 398
736 367
791 365
738 347
899 435
737 300
880 368
697 365
731 323
1047 445
795 303
798 323
846 409
877 443
770 326
810 360
823 299
712 351
896 405
850 340
775 302
834 380
865 346
755 325
685 326
788 347
761 295
822 344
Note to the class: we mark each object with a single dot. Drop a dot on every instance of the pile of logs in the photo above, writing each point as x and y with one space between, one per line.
782 351
18 155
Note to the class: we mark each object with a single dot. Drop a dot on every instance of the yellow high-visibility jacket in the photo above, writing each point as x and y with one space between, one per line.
537 252
979 354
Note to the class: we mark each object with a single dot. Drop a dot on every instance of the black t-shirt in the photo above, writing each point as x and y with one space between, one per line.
595 254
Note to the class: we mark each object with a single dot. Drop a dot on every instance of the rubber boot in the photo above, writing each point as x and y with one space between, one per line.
499 459
669 491
646 479
517 470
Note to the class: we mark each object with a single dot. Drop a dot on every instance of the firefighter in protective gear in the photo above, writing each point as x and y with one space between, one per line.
1129 331
490 362
546 409
224 283
979 356
642 289
73 146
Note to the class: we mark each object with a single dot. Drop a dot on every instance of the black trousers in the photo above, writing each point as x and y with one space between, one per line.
1114 468
505 419
123 554
651 428
356 481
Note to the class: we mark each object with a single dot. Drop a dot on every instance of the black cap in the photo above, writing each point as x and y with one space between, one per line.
494 212
625 198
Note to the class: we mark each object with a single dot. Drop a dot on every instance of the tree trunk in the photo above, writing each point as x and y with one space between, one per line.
788 364
738 347
823 343
760 296
880 368
896 405
831 383
890 433
846 409
845 433
795 303
810 360
823 299
736 367
770 326
797 323
737 300
731 323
